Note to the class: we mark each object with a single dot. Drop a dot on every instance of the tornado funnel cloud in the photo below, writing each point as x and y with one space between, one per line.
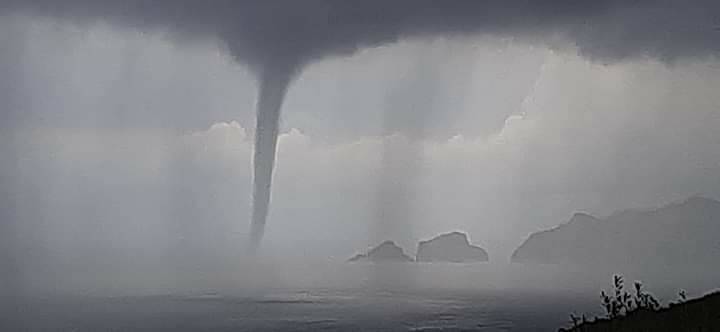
273 84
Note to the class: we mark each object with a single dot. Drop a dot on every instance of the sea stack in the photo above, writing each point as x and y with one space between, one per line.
387 251
451 247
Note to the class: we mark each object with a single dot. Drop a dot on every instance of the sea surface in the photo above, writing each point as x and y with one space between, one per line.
296 310
358 298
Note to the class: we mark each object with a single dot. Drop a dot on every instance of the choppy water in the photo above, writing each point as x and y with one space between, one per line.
288 310
334 298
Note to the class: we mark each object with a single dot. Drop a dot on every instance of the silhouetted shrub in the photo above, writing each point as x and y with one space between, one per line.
641 311
621 303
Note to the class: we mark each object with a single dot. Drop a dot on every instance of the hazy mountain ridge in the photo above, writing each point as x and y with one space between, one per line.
681 233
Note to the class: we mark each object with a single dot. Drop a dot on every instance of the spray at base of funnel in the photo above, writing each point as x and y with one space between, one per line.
273 84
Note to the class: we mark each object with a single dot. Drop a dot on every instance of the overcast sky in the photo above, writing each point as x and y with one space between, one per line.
122 138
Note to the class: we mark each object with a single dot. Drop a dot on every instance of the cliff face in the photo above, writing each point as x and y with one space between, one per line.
387 251
679 233
451 247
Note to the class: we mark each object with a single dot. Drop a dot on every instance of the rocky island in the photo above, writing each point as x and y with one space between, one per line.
387 251
451 247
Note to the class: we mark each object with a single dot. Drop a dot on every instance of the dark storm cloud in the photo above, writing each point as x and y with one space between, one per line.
296 32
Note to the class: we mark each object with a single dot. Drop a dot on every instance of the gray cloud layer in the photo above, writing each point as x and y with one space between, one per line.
297 32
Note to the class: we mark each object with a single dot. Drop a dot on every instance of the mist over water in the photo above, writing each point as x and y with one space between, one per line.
275 293
407 106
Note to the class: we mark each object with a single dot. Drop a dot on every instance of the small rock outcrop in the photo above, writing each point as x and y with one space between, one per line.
452 247
387 251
